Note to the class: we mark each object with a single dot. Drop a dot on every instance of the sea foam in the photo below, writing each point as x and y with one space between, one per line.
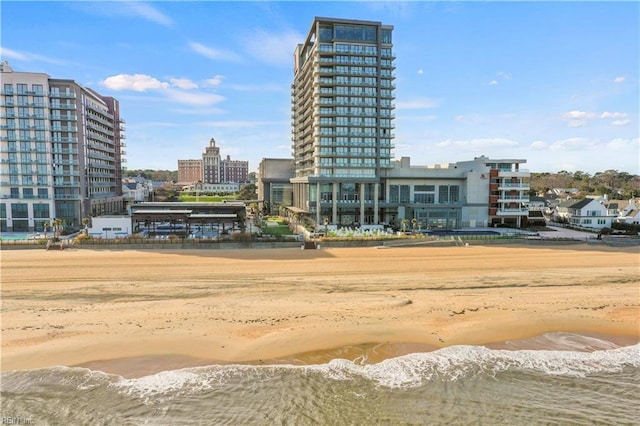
412 370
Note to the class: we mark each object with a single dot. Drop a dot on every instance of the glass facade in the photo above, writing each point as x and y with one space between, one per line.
344 104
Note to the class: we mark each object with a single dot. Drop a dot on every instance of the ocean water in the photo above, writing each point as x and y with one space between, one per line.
581 381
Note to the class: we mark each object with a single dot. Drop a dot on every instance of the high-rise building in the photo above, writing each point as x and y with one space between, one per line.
62 152
342 117
211 163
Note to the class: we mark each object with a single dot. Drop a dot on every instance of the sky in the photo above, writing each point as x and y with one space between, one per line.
554 83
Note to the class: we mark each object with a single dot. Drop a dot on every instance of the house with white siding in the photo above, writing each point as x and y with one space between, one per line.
585 213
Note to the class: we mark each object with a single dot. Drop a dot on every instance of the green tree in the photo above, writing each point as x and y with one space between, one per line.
248 192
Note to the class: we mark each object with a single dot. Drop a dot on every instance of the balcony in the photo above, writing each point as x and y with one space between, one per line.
63 106
521 198
67 196
514 185
513 173
66 117
64 95
64 129
521 211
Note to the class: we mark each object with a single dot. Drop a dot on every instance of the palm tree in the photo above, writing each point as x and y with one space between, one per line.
58 225
85 222
45 226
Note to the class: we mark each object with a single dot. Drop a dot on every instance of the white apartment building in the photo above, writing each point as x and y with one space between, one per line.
62 149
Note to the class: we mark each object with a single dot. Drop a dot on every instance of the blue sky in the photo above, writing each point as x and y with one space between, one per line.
556 83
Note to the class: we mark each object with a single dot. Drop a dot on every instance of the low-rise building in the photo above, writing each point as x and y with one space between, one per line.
478 193
110 227
272 184
586 213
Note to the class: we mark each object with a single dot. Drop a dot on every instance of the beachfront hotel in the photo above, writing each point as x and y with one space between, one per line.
344 170
342 119
62 149
212 168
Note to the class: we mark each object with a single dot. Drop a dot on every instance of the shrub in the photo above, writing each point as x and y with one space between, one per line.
241 237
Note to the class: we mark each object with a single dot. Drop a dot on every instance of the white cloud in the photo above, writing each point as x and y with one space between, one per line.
573 144
146 11
420 71
577 115
621 144
135 82
213 53
417 104
191 98
501 76
577 118
460 118
273 49
216 80
580 118
14 54
477 144
538 145
619 118
577 123
135 9
143 83
621 122
183 83
27 57
619 79
616 115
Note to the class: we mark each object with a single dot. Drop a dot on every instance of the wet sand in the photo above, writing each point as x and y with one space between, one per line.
133 312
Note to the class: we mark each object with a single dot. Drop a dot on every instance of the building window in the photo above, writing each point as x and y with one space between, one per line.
41 211
19 210
405 194
424 198
386 36
394 193
65 210
448 194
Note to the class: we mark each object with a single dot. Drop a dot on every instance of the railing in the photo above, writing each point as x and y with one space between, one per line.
513 185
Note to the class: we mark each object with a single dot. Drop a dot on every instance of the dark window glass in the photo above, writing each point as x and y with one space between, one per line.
19 210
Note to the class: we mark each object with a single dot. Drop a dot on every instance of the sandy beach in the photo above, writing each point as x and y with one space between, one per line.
133 312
